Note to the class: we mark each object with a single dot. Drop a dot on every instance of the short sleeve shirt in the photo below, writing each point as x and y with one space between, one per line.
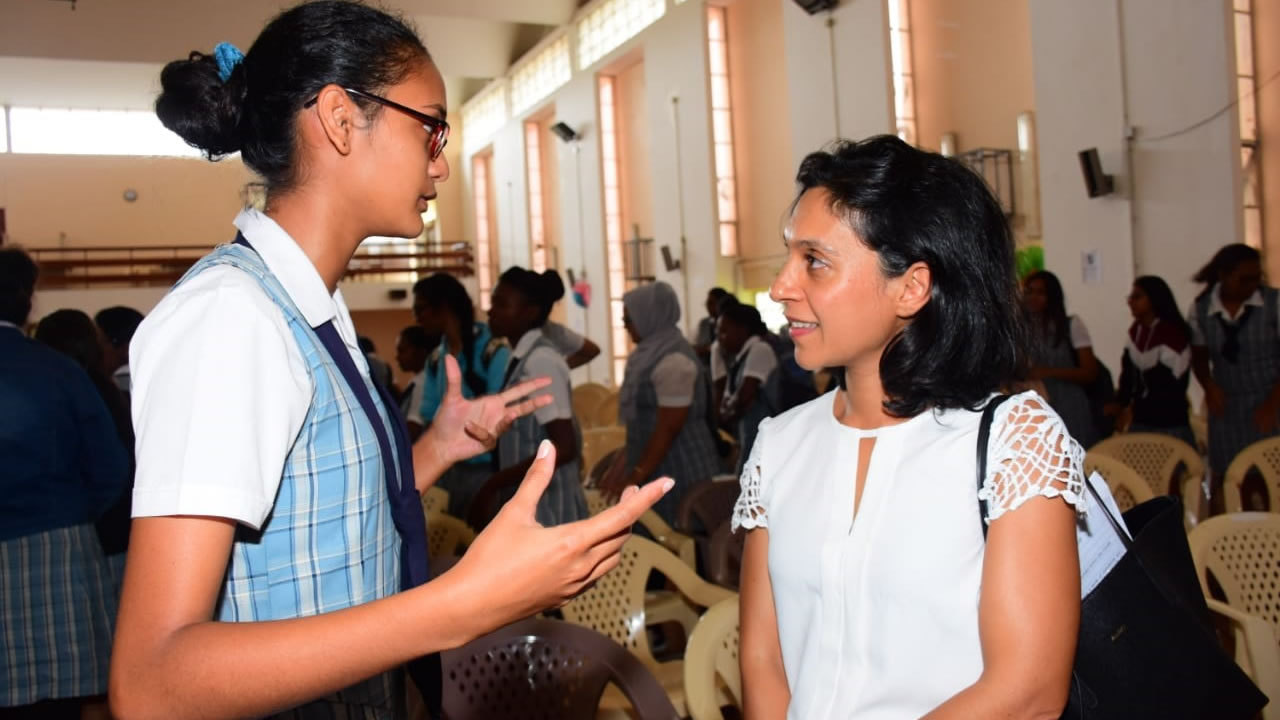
674 378
566 341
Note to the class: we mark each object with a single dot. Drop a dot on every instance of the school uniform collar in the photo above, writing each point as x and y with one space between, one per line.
746 347
526 343
6 324
1215 302
285 259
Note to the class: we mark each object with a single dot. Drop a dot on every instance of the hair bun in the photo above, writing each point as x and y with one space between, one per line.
552 286
196 104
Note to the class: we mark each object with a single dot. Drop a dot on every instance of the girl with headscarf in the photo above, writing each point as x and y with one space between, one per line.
664 401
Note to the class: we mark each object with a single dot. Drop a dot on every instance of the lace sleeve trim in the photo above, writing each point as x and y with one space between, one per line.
748 511
1031 454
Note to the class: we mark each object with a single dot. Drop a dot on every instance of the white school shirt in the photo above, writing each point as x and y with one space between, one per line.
878 614
544 362
1216 308
757 355
565 340
220 389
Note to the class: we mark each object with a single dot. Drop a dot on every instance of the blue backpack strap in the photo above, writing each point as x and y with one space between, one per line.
406 504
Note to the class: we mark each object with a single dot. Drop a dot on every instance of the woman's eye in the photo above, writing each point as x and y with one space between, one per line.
813 261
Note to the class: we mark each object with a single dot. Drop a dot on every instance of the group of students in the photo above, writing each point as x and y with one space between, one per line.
277 562
1229 338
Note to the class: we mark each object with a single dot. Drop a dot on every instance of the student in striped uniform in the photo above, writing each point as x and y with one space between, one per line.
1235 353
521 302
277 563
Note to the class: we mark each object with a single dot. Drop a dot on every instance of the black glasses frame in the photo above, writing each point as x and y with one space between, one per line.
437 129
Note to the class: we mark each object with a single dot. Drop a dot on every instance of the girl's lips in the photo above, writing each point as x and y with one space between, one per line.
800 329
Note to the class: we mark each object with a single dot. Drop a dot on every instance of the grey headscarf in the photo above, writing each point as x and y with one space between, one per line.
654 311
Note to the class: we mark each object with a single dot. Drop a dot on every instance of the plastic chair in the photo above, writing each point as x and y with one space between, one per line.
606 413
616 606
435 500
448 536
1241 552
1157 458
1127 486
586 398
724 555
708 504
678 543
1263 455
539 669
598 442
711 675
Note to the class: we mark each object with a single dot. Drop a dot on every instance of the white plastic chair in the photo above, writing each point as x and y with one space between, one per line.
1241 551
1127 486
712 678
435 500
1263 455
1157 458
586 398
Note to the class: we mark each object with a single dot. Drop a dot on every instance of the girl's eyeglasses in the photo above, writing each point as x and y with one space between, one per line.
437 129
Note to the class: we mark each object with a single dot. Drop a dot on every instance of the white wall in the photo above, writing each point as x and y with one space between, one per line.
1160 66
863 76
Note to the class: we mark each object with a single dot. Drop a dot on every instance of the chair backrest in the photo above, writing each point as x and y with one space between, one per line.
1263 455
1127 486
1164 462
614 605
540 669
676 542
606 413
706 505
1241 551
601 466
447 535
586 398
711 662
435 500
600 441
724 555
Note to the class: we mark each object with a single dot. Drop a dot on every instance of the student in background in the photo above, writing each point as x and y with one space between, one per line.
413 345
576 349
62 466
1156 365
740 371
1235 353
705 335
521 302
378 367
118 324
444 308
1061 354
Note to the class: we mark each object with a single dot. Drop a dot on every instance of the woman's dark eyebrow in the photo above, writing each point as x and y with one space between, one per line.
807 244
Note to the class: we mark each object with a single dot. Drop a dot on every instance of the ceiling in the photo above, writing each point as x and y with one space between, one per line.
52 53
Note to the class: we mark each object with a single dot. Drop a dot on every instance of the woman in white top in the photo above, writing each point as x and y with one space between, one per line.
277 560
867 590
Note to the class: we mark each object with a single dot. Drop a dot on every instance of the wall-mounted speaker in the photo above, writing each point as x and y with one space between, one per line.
564 132
813 7
1096 182
397 294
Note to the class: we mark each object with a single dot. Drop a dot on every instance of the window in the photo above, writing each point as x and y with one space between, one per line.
904 90
613 223
537 203
722 131
486 259
1247 105
612 23
484 114
4 129
542 74
52 131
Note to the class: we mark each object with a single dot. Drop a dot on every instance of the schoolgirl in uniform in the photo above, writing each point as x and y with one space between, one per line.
521 303
277 562
576 349
740 370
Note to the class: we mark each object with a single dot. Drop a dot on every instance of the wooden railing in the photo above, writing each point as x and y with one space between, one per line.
152 266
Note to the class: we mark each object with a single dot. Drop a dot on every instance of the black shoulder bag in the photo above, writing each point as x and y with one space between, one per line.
1146 648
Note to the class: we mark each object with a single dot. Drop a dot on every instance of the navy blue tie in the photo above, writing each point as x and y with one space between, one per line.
406 504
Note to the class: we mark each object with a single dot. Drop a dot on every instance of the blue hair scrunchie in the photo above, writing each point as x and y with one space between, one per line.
228 56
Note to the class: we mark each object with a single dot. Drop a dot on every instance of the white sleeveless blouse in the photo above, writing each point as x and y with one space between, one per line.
878 613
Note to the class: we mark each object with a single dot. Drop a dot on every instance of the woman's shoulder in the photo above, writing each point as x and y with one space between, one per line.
800 420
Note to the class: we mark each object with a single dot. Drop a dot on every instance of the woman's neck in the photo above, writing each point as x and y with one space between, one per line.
1146 320
324 235
861 404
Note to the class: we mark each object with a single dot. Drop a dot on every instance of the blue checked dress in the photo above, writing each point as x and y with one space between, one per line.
692 457
329 542
563 501
1246 381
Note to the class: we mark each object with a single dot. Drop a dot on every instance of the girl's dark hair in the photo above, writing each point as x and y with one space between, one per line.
1228 258
912 206
442 291
305 48
746 317
1163 303
542 289
1054 324
18 275
417 337
73 334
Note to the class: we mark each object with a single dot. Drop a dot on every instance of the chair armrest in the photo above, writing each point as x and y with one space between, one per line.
668 537
1261 649
701 592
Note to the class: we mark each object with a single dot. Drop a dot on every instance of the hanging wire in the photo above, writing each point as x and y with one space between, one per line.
1216 115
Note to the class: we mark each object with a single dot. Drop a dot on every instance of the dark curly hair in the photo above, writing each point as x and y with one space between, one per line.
909 206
